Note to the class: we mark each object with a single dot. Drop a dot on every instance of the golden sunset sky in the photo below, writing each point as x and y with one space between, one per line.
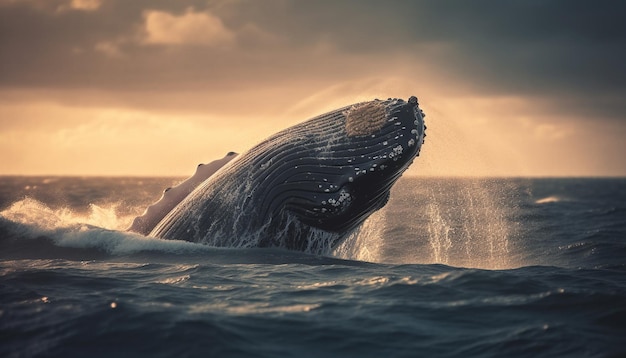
154 87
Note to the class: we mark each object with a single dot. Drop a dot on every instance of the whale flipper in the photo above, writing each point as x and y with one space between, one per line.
172 196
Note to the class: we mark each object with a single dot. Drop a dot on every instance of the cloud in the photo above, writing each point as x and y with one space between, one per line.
81 5
568 50
87 5
190 28
56 6
110 48
273 63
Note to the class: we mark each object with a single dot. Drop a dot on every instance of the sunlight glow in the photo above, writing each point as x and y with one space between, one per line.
465 137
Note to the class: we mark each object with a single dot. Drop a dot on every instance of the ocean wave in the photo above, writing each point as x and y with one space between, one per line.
29 219
29 228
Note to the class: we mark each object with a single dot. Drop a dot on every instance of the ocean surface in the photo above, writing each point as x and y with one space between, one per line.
449 268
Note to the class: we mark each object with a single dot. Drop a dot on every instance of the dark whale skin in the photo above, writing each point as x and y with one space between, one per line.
306 187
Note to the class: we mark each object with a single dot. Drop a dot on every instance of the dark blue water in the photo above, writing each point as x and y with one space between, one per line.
450 268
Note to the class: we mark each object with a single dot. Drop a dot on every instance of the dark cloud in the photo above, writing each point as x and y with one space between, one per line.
572 51
528 47
47 48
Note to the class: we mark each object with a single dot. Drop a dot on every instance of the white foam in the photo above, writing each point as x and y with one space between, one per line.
32 212
95 230
121 243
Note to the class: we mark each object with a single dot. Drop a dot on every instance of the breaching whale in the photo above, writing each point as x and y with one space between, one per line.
305 188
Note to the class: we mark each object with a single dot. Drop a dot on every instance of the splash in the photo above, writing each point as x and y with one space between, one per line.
30 211
439 230
456 222
366 243
95 230
468 226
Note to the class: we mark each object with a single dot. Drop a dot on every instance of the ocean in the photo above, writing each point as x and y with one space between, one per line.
451 267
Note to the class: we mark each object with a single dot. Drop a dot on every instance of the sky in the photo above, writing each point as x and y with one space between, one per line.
154 87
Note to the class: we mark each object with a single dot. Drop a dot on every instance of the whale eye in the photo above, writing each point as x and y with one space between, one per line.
365 118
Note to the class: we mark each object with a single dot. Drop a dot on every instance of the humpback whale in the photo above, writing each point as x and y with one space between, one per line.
305 188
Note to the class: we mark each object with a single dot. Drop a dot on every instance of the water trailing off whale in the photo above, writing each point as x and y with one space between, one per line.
304 188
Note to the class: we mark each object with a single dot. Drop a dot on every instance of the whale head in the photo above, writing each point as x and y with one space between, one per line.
350 159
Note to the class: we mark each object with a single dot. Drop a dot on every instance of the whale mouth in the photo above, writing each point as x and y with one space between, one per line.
382 138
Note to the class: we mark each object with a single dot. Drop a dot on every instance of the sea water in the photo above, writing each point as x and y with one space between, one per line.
449 268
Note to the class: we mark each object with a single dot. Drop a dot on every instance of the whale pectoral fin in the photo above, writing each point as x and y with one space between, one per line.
173 196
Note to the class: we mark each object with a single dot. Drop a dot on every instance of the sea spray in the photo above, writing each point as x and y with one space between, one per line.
466 222
469 228
30 219
30 210
366 243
